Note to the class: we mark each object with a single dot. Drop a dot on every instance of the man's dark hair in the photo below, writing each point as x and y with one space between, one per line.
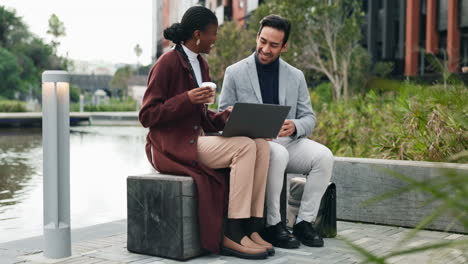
195 18
277 22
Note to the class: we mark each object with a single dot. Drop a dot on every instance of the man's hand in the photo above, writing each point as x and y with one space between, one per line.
287 129
200 95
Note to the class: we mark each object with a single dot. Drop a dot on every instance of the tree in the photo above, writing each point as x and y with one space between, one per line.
138 50
12 29
56 29
325 34
9 74
119 82
23 57
235 43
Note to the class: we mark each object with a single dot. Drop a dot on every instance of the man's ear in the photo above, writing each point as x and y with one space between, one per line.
285 47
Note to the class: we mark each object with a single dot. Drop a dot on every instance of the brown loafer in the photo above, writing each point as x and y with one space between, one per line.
255 237
231 248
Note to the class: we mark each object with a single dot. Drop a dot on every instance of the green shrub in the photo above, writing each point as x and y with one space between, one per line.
114 105
12 106
74 94
383 68
381 85
414 123
324 92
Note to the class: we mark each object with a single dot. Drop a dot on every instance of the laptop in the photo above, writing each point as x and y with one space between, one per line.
255 120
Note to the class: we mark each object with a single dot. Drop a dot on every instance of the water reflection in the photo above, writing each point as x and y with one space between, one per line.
100 160
17 166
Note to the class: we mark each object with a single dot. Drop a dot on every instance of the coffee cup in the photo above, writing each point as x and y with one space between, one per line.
212 85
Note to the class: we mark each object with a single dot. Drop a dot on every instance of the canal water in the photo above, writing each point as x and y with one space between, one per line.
100 160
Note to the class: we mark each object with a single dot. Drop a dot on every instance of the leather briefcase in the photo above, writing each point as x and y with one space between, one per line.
325 223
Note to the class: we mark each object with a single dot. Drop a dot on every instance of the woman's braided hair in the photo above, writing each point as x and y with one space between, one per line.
195 18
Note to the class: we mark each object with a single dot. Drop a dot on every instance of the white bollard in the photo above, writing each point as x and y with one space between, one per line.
56 172
81 103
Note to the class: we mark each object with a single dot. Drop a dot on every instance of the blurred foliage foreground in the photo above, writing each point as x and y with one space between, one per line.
447 194
410 122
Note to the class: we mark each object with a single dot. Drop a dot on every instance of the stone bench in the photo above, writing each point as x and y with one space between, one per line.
162 216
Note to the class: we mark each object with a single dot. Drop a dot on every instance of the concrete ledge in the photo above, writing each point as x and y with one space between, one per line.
359 179
76 118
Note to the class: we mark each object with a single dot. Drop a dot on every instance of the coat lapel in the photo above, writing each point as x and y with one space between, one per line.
204 69
283 82
254 77
187 67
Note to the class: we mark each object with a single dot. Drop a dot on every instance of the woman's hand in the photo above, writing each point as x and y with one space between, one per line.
200 95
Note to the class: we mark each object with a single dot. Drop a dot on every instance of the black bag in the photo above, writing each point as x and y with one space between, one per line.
325 223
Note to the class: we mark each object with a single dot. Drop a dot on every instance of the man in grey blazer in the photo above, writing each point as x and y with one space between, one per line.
265 78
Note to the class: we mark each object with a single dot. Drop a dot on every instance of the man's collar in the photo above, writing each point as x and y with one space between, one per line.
269 66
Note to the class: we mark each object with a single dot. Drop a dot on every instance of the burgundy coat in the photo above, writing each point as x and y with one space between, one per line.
175 124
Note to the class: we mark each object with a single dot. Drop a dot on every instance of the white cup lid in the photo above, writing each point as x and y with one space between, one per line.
209 84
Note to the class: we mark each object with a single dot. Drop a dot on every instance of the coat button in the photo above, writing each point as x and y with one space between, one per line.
195 127
192 141
194 163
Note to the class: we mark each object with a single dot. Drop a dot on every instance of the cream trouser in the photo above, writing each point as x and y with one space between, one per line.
248 160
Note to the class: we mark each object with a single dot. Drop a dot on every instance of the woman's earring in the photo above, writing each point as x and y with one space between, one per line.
198 42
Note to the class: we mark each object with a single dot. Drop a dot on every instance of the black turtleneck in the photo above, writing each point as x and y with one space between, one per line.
268 78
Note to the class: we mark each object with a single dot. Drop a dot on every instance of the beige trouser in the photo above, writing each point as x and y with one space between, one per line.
248 160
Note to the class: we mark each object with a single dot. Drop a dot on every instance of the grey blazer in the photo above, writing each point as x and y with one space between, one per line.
241 85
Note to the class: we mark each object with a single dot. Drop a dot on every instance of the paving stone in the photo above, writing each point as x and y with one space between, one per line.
119 256
146 261
81 260
379 240
110 262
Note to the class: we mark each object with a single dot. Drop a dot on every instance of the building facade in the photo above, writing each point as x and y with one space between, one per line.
165 13
402 31
408 31
237 10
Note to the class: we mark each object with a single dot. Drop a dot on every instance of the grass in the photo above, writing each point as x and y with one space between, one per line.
10 106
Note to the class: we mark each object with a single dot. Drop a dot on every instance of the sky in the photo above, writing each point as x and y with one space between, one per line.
96 30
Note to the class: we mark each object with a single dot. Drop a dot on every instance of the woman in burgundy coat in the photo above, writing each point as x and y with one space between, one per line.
174 110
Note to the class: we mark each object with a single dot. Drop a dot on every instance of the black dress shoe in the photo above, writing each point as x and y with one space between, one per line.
305 232
279 236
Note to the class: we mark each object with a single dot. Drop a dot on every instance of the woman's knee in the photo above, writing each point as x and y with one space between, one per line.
263 148
245 143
